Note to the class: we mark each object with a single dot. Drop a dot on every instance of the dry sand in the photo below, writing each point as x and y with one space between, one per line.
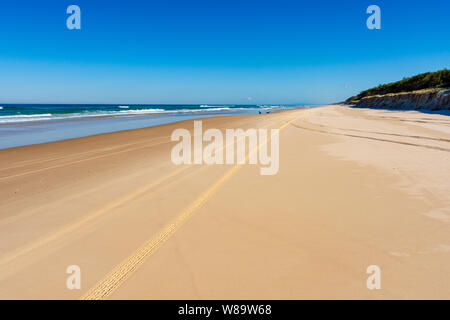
356 187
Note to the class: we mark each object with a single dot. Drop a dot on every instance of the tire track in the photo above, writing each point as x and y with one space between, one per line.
80 161
126 268
73 226
381 133
372 138
22 215
26 163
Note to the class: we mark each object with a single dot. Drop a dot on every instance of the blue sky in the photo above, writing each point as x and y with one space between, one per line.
214 51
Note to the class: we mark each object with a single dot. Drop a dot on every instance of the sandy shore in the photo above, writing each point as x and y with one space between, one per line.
355 187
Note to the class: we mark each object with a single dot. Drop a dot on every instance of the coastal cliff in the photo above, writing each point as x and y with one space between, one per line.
430 90
423 99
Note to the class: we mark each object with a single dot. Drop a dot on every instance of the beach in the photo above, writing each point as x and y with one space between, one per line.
356 187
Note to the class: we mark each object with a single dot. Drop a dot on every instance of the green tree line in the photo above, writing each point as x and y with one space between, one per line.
428 80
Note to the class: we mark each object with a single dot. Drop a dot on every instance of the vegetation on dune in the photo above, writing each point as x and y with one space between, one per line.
429 80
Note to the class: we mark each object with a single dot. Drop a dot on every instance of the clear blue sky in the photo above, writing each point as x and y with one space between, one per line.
214 51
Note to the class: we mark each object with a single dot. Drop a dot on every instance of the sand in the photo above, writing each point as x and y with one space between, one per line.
356 187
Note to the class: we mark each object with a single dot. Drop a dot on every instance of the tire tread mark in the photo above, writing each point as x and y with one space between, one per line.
126 268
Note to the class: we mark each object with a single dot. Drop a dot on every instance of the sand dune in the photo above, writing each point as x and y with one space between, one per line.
355 187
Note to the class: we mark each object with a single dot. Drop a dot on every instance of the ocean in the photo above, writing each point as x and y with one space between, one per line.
25 124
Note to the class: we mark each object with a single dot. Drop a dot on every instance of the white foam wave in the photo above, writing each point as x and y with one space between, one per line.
26 116
208 106
141 111
202 110
19 120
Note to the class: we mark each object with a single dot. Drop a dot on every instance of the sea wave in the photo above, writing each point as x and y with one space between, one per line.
208 106
25 118
141 111
203 110
90 114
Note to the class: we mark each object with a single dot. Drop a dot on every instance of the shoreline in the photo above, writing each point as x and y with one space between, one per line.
50 131
125 131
